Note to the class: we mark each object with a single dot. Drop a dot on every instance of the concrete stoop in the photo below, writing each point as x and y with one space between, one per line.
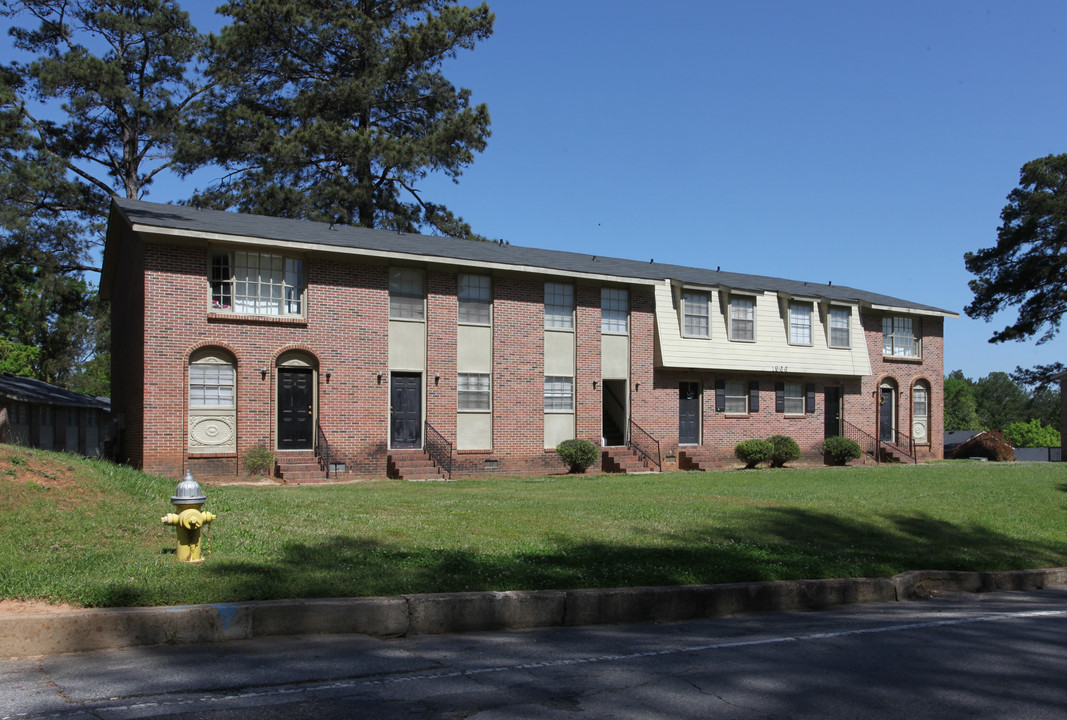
30 634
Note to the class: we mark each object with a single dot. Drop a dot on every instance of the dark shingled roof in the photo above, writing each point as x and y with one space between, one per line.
179 217
38 391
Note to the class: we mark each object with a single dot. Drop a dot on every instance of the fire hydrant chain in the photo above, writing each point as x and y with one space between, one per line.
188 500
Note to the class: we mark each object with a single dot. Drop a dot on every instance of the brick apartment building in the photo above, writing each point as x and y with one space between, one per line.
234 331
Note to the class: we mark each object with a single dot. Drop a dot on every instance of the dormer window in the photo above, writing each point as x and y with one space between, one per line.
742 318
799 323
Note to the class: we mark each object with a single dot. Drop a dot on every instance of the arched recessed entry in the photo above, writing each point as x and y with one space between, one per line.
297 400
920 412
887 411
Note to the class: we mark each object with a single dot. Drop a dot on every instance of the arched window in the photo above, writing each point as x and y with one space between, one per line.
212 401
920 412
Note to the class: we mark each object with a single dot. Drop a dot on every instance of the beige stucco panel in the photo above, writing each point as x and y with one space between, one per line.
475 349
558 427
559 353
407 345
614 357
474 431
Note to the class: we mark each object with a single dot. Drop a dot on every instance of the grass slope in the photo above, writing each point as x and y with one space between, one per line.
88 533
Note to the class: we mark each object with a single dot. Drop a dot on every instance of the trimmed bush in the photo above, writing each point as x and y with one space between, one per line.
259 461
991 445
578 454
753 452
783 449
841 449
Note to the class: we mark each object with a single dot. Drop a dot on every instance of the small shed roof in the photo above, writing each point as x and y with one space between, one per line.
37 391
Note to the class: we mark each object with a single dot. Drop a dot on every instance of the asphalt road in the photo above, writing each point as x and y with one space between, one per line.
999 655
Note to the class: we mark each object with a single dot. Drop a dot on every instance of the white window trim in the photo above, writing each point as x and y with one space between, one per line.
228 285
803 398
730 316
915 338
727 396
407 294
624 295
707 313
489 391
488 302
830 327
789 322
569 327
558 378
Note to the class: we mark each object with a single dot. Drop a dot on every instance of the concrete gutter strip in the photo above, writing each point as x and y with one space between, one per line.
30 634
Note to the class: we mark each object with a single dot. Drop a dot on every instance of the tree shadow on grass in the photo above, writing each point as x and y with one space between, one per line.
778 544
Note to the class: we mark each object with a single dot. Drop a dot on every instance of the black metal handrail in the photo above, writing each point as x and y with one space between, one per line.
322 449
644 443
905 444
868 443
873 446
439 449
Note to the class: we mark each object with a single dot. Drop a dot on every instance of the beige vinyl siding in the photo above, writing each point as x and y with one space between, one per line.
771 352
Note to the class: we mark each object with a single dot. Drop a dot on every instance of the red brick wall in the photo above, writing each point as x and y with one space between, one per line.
906 373
346 333
128 351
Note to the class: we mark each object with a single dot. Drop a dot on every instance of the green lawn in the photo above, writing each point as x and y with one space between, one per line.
98 541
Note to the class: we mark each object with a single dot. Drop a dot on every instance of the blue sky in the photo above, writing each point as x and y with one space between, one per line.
867 144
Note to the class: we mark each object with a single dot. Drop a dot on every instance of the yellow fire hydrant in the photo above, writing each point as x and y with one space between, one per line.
189 500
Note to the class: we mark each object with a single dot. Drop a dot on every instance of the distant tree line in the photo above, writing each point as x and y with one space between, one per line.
330 110
1024 405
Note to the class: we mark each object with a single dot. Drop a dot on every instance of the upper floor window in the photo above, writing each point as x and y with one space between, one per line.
695 314
840 327
475 299
407 294
900 337
742 318
559 306
614 310
800 323
252 283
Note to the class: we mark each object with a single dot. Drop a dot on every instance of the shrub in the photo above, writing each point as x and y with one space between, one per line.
991 445
259 461
578 454
753 452
1032 434
841 449
783 450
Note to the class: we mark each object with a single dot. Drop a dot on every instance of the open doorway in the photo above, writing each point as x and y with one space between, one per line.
614 405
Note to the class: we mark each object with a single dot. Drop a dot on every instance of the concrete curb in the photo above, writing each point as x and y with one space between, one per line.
108 628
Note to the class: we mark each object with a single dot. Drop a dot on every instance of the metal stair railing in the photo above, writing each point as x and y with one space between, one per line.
322 448
438 448
645 444
868 443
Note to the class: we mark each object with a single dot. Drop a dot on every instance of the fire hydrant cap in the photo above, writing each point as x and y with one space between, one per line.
188 492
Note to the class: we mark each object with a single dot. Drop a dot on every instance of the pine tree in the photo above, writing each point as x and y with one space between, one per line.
335 110
93 113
